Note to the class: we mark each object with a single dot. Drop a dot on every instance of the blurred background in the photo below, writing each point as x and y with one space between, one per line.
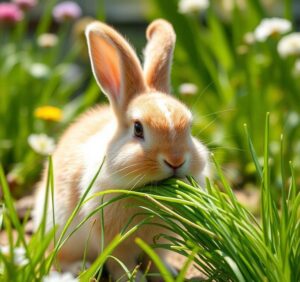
235 60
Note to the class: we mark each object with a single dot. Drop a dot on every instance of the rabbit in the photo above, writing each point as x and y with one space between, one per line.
144 135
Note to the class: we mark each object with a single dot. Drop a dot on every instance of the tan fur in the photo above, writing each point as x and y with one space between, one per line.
109 131
153 116
86 126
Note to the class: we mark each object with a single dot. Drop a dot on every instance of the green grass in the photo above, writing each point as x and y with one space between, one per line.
223 239
64 74
214 231
234 87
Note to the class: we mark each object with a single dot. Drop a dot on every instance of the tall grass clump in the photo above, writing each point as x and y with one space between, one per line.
220 236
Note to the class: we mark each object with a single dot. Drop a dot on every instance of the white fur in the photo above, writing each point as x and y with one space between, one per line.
167 113
94 151
137 114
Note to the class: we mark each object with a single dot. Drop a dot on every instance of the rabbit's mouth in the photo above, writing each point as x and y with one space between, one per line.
173 176
179 173
176 175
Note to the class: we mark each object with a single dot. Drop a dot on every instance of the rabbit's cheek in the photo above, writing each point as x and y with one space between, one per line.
131 160
199 158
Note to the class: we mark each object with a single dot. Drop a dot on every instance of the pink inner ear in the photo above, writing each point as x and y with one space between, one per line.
106 65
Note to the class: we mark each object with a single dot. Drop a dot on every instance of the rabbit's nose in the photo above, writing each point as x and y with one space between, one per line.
174 163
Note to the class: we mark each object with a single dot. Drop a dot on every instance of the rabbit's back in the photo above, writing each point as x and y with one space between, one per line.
69 163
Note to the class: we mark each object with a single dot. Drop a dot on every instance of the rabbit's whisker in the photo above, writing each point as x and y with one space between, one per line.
138 177
227 148
215 113
140 169
136 164
205 127
138 181
204 90
125 168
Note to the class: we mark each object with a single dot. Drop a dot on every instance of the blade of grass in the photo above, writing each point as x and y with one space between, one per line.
45 210
126 270
253 153
102 240
11 208
86 246
185 267
91 272
71 218
166 275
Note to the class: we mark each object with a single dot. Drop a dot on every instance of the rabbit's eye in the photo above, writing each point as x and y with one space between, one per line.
138 130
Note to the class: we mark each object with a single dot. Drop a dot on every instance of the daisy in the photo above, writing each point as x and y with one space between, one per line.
289 45
41 144
188 89
59 277
192 6
271 27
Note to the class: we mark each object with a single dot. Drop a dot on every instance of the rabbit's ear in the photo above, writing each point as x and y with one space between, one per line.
158 55
115 65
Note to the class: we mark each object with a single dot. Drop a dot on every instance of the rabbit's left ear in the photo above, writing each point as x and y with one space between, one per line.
158 55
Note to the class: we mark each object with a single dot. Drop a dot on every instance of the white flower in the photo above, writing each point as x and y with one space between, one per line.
289 45
19 255
270 27
59 277
188 89
249 38
70 73
47 40
41 144
293 119
192 6
39 70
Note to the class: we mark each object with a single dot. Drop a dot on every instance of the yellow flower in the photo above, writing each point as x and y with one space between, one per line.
48 113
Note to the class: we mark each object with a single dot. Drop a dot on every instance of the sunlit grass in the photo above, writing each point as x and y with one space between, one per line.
213 230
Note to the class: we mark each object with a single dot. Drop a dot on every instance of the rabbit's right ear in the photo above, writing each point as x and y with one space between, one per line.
115 65
158 55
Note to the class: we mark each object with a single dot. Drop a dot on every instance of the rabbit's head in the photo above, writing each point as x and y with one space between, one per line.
152 140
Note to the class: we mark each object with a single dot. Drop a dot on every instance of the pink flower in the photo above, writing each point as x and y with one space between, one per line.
25 4
66 11
10 13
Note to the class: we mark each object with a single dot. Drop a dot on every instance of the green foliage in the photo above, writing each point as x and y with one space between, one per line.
238 80
238 83
213 230
36 73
